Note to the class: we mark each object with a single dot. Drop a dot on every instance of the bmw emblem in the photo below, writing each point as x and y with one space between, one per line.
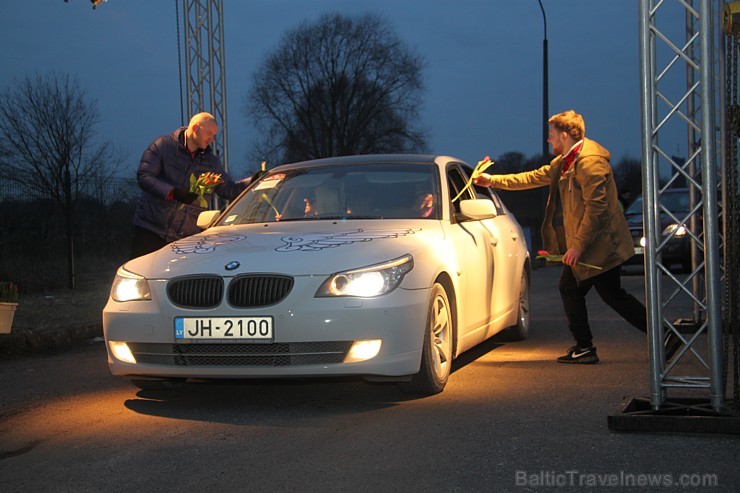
232 265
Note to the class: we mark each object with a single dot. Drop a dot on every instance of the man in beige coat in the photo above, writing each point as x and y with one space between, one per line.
583 223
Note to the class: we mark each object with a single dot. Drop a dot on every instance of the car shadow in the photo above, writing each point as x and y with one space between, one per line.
276 402
473 354
269 402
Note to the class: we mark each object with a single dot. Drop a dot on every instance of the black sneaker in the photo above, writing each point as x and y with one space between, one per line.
584 356
672 344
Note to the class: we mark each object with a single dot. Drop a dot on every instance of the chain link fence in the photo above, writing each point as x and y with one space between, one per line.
33 243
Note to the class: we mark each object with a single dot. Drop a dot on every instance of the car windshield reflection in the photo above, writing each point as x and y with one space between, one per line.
394 191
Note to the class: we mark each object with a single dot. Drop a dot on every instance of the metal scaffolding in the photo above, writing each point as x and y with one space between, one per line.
205 66
683 58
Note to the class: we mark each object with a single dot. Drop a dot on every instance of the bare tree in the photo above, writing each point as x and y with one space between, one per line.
47 128
509 162
628 177
339 86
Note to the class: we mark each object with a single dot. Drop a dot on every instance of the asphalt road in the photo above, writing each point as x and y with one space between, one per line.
510 419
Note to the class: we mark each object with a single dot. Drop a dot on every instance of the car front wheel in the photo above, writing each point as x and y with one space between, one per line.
520 331
436 357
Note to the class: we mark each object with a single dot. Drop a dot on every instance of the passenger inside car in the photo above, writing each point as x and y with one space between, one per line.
425 205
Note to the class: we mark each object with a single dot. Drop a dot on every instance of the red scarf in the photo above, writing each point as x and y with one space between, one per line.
571 156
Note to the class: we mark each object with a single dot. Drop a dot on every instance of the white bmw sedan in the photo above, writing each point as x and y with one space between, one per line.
363 265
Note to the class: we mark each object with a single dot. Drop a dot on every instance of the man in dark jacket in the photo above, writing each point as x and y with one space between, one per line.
166 210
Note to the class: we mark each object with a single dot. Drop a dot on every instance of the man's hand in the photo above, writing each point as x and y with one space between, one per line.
184 196
484 180
572 256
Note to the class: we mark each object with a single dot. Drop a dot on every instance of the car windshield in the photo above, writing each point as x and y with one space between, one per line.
368 191
674 201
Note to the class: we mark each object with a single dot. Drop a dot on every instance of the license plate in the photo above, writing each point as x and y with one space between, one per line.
252 329
639 250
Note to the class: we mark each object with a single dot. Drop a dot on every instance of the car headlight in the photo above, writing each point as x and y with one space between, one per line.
128 286
373 280
675 230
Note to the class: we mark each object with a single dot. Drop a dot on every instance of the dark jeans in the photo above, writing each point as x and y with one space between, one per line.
609 287
145 242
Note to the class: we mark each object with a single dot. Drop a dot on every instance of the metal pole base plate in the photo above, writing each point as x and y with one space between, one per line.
677 416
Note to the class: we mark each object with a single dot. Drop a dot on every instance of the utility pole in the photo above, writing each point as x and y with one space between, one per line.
545 91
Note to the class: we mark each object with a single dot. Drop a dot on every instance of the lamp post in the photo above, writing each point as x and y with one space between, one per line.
544 191
545 97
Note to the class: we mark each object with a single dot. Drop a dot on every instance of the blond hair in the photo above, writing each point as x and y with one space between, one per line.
569 122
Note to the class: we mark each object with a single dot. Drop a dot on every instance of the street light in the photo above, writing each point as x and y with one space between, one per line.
545 111
544 191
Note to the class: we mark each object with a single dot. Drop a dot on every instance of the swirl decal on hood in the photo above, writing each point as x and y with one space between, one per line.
204 243
320 241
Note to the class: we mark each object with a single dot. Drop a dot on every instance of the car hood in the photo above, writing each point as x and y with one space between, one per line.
294 248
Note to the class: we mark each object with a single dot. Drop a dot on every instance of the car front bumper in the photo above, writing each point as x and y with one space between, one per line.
305 330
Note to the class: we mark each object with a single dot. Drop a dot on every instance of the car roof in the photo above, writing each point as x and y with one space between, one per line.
373 159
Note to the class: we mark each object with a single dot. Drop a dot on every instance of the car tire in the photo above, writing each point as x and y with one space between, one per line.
520 331
436 357
164 384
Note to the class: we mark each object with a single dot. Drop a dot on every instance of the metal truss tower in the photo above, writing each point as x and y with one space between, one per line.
679 96
205 66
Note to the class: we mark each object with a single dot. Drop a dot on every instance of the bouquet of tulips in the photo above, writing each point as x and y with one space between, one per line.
203 185
482 165
551 257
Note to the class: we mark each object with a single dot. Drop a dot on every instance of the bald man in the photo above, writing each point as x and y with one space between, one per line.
164 177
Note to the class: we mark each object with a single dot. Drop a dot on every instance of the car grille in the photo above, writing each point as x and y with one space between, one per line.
258 290
277 354
244 292
196 292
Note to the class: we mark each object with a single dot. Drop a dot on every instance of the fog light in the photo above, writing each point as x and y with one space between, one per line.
363 350
121 352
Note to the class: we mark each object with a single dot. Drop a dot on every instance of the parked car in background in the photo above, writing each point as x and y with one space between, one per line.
359 265
677 249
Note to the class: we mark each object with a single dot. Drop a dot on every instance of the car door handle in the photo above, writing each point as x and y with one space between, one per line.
494 241
514 235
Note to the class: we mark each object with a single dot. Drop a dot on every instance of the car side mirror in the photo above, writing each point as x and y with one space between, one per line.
478 209
206 218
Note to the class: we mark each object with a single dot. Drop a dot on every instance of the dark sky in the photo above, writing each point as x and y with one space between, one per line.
483 71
